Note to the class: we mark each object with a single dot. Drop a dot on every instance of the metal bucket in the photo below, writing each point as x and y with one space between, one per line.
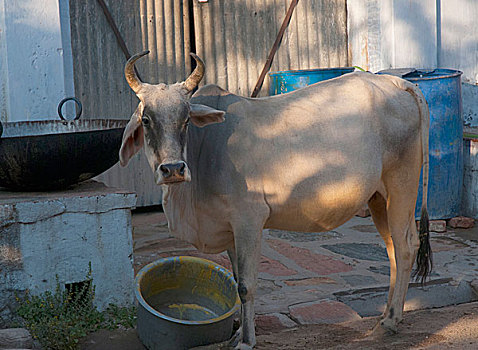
290 80
184 302
442 90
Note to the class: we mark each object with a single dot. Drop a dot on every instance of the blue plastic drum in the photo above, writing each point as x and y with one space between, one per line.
290 80
442 90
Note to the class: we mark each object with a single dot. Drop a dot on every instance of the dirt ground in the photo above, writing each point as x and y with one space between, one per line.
454 327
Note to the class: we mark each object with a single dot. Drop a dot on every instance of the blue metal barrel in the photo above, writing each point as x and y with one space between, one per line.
290 80
442 90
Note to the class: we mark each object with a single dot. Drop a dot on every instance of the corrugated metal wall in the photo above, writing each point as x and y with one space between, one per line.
233 38
159 26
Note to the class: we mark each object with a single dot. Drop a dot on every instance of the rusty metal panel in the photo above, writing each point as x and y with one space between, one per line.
161 26
234 38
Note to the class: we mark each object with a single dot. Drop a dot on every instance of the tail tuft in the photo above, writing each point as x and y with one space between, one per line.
424 255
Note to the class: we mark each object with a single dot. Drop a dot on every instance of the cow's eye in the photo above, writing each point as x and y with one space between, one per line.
145 121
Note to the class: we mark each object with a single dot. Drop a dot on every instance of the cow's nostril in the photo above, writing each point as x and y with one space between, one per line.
182 168
173 171
165 170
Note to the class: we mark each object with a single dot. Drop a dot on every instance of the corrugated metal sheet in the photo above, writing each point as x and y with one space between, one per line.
235 37
159 26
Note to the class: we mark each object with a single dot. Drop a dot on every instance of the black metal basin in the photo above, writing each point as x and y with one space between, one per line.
49 155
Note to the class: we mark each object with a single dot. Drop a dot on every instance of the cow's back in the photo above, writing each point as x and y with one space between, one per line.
314 156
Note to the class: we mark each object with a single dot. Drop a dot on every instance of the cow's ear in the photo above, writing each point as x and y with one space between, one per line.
202 115
133 136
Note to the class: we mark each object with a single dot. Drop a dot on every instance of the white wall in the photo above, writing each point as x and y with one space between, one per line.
35 63
420 34
459 49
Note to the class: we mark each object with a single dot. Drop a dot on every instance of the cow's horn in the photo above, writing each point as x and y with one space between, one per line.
130 74
195 78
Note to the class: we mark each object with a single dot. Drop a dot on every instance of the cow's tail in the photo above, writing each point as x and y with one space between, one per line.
424 255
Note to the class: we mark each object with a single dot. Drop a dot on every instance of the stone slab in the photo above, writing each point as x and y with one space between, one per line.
444 243
359 280
273 322
313 281
318 263
278 301
274 267
87 197
438 293
383 270
79 190
319 312
362 251
304 236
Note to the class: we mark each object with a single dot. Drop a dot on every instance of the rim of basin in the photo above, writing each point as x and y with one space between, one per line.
146 269
49 127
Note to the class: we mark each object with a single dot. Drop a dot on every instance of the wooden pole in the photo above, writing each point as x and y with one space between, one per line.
274 48
116 31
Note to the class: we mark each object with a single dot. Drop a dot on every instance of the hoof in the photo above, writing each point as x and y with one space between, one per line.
389 325
237 343
383 327
236 338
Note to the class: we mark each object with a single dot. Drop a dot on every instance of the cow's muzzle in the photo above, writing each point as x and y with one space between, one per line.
169 173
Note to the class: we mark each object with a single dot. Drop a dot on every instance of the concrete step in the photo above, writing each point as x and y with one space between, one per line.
436 293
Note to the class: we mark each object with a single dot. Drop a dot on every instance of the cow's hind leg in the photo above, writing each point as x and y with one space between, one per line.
378 209
402 192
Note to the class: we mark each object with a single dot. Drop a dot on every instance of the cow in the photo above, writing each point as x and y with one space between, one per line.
308 160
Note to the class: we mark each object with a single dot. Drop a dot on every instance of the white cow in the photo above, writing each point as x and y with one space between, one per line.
303 161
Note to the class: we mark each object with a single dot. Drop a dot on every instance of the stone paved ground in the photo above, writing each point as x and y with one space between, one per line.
331 277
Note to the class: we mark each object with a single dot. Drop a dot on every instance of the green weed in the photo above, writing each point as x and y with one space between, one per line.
60 319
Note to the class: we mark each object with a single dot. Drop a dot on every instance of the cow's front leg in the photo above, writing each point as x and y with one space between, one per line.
231 252
247 238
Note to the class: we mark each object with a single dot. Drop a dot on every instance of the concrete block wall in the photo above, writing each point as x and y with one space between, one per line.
52 237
